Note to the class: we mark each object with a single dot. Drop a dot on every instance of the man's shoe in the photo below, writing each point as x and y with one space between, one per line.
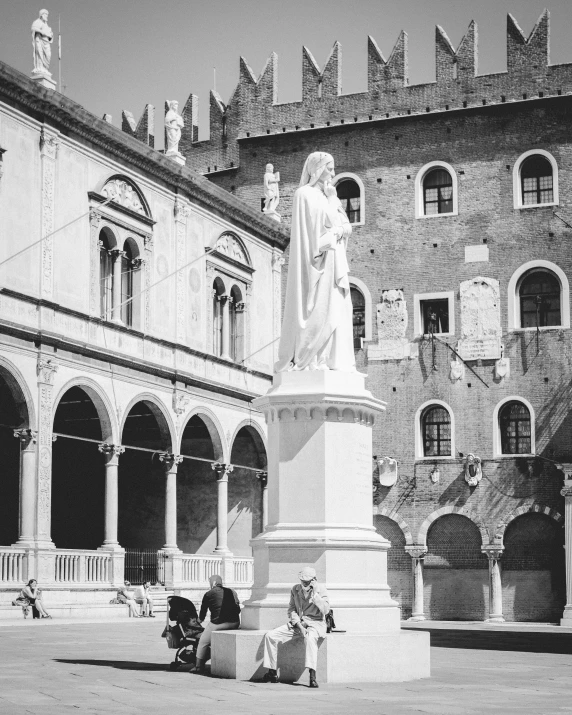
271 676
313 681
151 615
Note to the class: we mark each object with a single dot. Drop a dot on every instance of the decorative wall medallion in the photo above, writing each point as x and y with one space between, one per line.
457 370
473 471
502 369
387 470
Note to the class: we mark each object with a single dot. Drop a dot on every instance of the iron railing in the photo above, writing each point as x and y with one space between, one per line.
143 565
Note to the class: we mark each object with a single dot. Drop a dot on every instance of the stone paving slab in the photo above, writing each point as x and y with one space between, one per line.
121 668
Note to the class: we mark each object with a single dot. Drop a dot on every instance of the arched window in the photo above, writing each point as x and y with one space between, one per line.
349 194
127 284
217 293
358 312
536 181
438 192
236 324
515 428
105 276
539 296
436 431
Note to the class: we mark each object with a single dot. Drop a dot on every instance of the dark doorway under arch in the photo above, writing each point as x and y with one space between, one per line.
245 490
12 415
399 569
78 474
142 478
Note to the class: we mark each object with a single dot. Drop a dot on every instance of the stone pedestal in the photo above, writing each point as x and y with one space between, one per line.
320 515
566 492
176 156
43 78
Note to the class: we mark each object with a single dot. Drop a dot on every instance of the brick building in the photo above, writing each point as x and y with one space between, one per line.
460 192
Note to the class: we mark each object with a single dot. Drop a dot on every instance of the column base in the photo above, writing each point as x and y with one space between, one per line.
417 617
111 546
566 620
495 619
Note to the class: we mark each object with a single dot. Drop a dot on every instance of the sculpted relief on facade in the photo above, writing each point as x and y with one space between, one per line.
480 319
391 327
123 193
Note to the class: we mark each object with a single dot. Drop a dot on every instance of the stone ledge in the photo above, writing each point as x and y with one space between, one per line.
342 657
93 611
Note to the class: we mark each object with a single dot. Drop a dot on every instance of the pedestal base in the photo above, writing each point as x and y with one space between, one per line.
342 657
566 620
43 78
176 156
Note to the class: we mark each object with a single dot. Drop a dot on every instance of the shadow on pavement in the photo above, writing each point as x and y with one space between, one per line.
119 664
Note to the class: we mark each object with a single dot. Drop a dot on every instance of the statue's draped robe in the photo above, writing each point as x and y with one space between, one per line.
317 329
42 45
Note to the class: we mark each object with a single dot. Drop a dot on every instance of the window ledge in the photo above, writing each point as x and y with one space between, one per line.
427 336
526 455
358 223
452 213
521 207
441 458
542 328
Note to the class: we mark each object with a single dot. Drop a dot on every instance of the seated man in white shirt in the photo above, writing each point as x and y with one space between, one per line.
143 597
309 606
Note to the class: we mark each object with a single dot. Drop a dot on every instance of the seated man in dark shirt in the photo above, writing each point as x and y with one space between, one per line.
224 608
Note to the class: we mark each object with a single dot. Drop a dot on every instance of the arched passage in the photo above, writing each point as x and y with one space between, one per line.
245 490
78 474
13 415
196 486
455 571
399 576
533 569
142 477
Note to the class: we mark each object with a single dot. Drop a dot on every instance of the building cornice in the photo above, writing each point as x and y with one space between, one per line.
69 118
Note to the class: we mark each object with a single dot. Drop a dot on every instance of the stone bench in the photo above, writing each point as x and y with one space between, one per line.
342 657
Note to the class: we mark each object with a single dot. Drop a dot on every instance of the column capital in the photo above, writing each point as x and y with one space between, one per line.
117 253
45 370
492 551
138 263
26 436
416 552
94 218
263 476
48 144
182 211
170 460
110 450
566 468
222 470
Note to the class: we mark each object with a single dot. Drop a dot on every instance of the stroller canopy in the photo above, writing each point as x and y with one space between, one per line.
176 604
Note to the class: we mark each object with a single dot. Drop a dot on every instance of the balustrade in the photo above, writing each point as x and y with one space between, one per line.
13 566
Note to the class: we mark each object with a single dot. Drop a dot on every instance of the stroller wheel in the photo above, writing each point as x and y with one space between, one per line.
174 665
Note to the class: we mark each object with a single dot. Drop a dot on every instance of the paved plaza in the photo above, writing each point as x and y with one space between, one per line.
59 668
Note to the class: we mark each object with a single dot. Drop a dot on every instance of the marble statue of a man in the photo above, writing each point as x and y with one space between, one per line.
42 38
271 192
173 125
317 330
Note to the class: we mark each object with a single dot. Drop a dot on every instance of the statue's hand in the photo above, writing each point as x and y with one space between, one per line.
330 190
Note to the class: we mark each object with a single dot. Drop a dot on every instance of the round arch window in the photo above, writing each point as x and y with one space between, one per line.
536 181
438 192
539 296
350 196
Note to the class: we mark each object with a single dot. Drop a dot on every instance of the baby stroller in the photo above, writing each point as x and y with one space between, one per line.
184 635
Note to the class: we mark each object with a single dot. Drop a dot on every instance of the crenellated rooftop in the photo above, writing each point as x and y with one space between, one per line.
253 109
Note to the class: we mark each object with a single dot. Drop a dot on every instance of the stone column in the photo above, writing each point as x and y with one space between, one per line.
222 472
417 554
49 142
46 370
170 461
225 348
111 452
28 439
95 247
117 255
567 494
263 477
494 552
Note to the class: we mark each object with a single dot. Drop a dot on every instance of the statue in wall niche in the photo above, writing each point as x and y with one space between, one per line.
173 125
391 315
271 192
42 38
317 329
473 471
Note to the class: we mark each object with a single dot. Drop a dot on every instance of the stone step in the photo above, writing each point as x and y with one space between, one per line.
96 611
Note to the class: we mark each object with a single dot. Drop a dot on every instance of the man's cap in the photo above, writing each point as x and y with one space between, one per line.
307 573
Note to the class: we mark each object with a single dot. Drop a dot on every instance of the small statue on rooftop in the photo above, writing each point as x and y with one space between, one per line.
173 125
42 38
271 192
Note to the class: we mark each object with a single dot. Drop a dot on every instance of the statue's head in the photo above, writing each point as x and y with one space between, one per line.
269 168
173 104
44 15
319 166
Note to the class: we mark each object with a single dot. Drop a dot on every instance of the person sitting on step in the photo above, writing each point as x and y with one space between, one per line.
309 606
